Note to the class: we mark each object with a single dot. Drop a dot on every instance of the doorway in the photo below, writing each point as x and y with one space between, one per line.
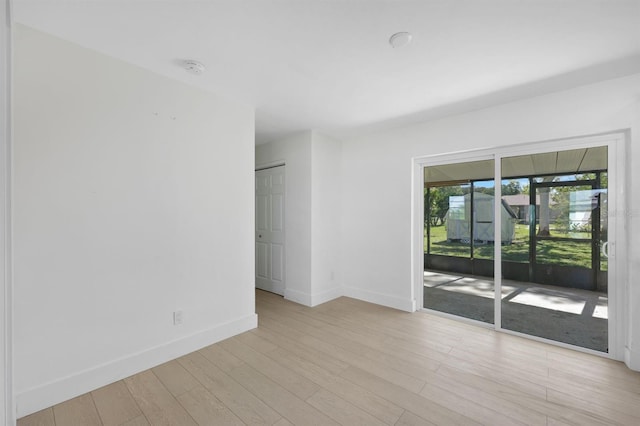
269 229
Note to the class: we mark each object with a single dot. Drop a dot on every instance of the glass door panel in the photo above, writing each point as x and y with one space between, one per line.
459 239
554 278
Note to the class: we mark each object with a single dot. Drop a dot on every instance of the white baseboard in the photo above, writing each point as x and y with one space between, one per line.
55 392
395 302
297 296
632 359
325 296
312 300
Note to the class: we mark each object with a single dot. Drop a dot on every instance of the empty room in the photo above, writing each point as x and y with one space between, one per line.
320 212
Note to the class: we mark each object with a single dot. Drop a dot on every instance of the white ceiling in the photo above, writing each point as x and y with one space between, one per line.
327 64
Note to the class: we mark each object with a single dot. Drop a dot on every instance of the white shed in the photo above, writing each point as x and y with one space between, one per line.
458 223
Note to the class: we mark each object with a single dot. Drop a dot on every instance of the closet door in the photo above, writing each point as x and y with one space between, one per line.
269 235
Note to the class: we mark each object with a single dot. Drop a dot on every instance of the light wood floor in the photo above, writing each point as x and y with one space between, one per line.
353 363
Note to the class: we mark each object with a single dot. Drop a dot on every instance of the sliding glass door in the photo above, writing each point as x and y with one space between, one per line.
549 227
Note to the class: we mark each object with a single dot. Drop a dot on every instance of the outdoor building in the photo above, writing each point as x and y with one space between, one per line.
460 210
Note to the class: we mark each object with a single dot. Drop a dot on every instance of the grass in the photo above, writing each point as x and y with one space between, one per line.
567 253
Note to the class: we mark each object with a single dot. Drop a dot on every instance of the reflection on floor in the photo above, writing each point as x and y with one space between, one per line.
573 316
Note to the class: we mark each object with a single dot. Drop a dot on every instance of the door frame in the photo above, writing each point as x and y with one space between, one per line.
7 406
618 291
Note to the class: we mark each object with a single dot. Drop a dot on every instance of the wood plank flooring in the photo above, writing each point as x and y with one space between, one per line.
348 362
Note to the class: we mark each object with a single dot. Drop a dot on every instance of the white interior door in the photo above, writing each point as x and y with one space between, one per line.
270 229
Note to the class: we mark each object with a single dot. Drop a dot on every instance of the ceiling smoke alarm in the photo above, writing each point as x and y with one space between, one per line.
194 67
400 39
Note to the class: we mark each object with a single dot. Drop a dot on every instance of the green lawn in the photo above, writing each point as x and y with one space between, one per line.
568 253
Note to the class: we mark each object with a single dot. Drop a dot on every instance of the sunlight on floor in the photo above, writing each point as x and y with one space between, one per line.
602 308
572 301
550 299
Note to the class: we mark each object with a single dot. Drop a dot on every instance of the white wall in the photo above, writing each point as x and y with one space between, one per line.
326 212
6 390
377 175
312 214
133 198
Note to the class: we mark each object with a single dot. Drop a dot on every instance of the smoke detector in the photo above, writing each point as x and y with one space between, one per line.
194 67
400 39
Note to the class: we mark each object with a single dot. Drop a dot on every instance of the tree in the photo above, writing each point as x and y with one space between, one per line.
436 203
512 188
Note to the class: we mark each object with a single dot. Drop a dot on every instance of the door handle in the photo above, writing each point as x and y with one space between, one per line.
605 249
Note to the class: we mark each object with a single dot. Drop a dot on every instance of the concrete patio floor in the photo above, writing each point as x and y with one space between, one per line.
568 315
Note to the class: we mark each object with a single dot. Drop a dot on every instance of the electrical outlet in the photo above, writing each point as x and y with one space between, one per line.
177 317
